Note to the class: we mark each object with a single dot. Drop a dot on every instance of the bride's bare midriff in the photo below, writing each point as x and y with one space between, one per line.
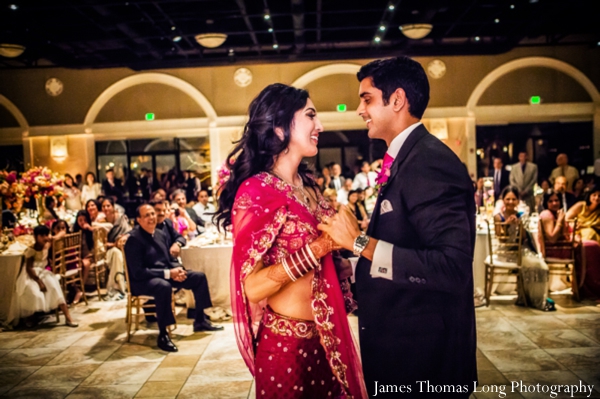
293 299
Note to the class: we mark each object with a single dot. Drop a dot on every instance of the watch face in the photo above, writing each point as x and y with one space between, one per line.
436 69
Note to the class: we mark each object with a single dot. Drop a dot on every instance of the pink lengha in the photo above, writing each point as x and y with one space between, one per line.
269 224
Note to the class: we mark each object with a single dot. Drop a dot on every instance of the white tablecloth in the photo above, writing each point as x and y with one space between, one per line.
214 261
10 265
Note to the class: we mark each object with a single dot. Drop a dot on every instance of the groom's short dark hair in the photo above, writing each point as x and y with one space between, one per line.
399 72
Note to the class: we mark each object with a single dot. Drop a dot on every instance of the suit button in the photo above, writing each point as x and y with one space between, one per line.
411 279
418 280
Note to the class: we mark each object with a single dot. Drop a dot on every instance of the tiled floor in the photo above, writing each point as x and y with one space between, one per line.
93 360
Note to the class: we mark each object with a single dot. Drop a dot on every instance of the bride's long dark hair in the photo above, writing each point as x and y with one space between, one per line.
259 146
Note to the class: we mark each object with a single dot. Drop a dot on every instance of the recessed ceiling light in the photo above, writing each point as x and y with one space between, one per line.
382 28
270 30
512 6
497 21
267 16
276 46
598 43
176 39
377 39
13 6
391 7
172 28
477 38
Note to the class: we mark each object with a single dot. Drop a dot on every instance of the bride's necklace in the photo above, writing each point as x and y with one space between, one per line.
299 189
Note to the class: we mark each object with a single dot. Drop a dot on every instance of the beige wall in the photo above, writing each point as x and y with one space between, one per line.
65 114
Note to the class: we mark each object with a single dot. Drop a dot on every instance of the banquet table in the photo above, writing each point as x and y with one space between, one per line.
10 265
214 260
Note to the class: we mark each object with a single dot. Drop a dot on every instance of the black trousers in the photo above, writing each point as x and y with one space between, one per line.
162 290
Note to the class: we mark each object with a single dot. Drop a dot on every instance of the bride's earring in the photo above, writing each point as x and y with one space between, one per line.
287 149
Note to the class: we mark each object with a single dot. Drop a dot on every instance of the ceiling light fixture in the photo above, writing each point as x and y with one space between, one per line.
377 39
267 16
416 31
270 30
382 28
10 50
176 39
276 46
497 21
477 38
211 40
391 7
13 7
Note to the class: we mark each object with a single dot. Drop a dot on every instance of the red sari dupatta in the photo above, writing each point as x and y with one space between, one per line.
269 223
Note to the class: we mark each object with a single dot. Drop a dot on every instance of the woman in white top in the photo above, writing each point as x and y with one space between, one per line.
91 189
39 289
72 194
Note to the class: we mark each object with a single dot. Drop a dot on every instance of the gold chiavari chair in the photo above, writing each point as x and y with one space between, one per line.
505 253
99 264
564 263
139 303
66 261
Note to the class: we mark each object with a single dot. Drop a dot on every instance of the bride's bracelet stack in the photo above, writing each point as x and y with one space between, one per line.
299 263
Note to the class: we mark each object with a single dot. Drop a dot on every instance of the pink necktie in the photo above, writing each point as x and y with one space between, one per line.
385 169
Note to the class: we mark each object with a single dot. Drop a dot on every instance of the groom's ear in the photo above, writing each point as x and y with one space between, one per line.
398 99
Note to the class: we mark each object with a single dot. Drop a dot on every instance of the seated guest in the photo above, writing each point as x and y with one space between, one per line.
358 210
38 289
566 198
10 216
588 216
203 208
175 241
92 207
344 191
49 213
194 221
59 229
152 272
331 196
579 189
114 257
588 227
533 271
83 223
158 195
72 194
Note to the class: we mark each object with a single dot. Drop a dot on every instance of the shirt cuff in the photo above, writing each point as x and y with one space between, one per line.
381 266
167 273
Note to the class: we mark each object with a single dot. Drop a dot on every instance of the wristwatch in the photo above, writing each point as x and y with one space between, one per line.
360 243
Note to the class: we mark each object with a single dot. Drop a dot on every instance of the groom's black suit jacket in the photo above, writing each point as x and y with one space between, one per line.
421 325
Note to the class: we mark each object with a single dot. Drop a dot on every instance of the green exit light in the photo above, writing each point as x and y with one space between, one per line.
535 100
341 108
150 117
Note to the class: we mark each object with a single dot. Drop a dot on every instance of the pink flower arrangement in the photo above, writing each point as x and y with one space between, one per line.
41 182
10 188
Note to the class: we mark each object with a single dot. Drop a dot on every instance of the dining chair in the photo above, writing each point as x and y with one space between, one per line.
505 253
140 304
560 256
66 261
99 264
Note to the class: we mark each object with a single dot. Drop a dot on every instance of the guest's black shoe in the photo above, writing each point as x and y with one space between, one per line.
151 319
206 325
164 342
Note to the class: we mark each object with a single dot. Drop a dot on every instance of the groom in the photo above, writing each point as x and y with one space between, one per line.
414 278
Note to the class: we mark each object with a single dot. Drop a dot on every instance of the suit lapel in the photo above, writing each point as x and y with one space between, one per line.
415 136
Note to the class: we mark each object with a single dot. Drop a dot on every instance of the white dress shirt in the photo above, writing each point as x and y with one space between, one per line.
364 180
204 212
383 254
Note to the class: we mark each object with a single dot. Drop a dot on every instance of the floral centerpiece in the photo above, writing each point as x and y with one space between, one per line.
41 182
11 188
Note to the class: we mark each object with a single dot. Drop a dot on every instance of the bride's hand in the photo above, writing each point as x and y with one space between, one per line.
323 245
342 228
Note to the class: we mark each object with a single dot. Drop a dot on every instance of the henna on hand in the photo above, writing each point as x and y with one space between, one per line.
322 246
277 274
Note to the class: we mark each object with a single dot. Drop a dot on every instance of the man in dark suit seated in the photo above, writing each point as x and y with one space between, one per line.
175 241
152 272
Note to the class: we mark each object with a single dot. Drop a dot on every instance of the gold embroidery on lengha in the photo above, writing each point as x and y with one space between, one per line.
283 325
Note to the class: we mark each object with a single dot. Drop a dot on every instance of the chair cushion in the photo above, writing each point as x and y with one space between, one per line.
562 261
71 272
500 263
